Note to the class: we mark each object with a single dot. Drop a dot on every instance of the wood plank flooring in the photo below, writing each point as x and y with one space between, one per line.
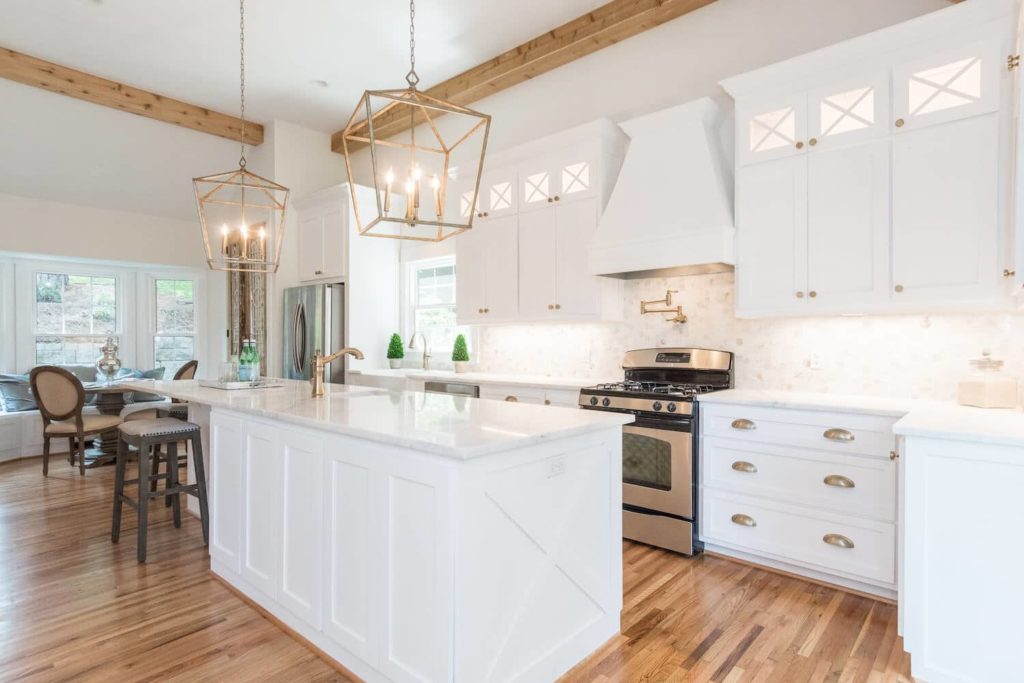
74 607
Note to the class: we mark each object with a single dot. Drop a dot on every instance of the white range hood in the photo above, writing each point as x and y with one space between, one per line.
671 211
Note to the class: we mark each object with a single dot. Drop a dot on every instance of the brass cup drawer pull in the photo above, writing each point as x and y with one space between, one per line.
836 434
838 540
512 399
839 481
744 466
743 423
743 520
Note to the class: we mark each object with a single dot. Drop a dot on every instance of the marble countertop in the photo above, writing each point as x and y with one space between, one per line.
451 426
917 417
540 381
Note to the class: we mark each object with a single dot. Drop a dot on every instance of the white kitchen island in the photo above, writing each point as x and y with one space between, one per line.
414 536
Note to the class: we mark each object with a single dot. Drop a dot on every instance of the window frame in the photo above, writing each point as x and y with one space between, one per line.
152 333
25 308
409 305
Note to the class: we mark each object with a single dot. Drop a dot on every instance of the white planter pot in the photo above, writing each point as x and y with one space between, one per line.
461 365
395 363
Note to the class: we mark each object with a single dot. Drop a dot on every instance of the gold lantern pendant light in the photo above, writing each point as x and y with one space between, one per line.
241 213
426 182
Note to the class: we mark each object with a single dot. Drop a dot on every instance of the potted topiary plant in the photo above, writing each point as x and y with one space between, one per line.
395 352
460 354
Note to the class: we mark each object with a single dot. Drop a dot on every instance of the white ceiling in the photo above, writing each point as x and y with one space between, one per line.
188 49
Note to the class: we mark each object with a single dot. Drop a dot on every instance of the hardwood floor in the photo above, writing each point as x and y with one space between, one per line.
75 607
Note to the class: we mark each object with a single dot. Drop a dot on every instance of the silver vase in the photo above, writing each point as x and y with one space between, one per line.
108 364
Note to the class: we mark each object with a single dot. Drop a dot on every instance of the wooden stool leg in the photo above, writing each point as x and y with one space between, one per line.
154 468
46 455
122 458
200 471
143 499
172 481
71 451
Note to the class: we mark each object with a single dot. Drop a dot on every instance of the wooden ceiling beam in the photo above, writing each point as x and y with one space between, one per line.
609 24
22 68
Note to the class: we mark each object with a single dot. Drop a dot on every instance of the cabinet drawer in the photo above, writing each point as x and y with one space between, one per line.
819 430
799 536
852 484
511 392
569 398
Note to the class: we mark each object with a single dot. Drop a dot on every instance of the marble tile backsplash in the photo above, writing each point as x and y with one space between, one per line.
918 356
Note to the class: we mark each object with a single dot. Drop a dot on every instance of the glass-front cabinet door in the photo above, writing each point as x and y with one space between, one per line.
771 128
849 110
949 84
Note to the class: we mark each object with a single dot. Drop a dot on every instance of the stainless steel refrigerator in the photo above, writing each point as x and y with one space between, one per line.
313 319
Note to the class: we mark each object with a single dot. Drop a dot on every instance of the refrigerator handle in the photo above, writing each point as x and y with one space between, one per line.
299 333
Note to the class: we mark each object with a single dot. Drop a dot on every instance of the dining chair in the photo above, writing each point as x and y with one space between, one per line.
61 397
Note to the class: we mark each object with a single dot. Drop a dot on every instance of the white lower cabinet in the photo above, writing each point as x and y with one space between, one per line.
373 552
566 398
808 491
302 525
225 476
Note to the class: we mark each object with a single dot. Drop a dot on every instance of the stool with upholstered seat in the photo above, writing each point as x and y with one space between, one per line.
61 397
178 408
144 436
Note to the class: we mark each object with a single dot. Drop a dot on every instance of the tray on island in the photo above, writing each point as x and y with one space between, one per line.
229 386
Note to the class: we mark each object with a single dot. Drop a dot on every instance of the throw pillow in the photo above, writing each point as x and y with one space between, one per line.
16 394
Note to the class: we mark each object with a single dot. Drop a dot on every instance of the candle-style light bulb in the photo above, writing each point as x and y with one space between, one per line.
224 239
409 192
263 244
244 232
417 174
389 178
435 183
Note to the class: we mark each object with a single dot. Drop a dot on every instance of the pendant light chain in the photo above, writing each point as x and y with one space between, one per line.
412 78
241 73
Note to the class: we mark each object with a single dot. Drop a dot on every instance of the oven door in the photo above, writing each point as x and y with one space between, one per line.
657 467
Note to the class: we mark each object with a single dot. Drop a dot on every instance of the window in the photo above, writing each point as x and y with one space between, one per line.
174 342
431 304
74 314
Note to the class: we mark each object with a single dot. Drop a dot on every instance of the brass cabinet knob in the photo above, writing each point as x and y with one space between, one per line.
557 198
839 481
898 288
558 307
486 214
893 455
837 540
836 434
479 214
550 199
479 310
743 423
512 399
487 310
812 294
799 295
899 123
812 142
1009 273
744 466
799 145
547 401
318 272
743 520
551 307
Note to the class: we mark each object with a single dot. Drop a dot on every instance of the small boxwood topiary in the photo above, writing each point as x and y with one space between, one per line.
460 353
395 349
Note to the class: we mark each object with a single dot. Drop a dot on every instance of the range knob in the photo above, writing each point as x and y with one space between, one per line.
593 400
606 402
657 405
671 407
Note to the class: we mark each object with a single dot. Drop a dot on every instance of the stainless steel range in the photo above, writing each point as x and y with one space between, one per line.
659 471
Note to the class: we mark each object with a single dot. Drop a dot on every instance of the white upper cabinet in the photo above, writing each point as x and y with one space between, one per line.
874 176
770 206
849 111
322 242
949 84
770 128
525 258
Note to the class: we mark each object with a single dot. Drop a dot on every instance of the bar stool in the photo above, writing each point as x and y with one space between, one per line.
145 436
178 408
